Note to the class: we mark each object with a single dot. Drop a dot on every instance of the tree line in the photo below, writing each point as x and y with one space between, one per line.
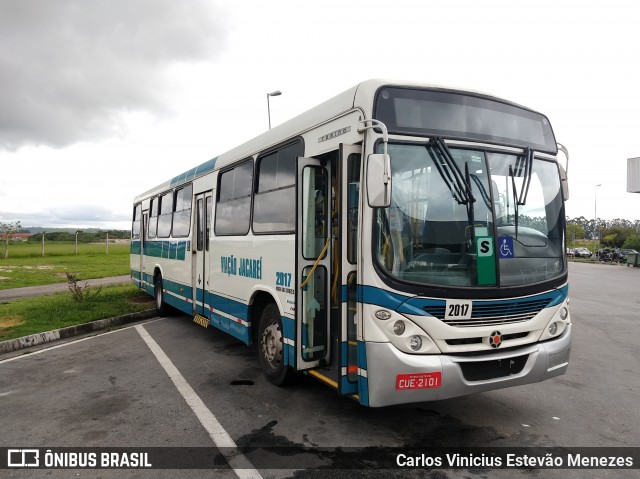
618 233
60 234
83 236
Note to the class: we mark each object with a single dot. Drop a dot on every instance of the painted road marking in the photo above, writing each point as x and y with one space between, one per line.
64 345
240 464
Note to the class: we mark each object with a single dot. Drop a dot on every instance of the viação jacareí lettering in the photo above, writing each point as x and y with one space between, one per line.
246 267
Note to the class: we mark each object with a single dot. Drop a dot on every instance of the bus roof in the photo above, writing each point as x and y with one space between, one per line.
360 96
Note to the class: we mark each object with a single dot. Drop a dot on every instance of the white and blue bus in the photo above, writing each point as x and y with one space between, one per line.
399 242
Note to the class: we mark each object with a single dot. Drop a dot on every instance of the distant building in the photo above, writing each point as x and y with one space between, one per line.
16 236
633 175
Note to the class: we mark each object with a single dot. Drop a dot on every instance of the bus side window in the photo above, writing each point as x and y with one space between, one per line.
153 218
166 214
182 212
233 205
135 224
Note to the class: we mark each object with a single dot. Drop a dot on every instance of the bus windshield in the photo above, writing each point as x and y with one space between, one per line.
441 207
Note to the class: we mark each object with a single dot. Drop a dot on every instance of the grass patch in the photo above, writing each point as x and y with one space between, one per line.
22 317
27 267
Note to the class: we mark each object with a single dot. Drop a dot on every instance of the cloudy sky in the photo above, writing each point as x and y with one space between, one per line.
104 99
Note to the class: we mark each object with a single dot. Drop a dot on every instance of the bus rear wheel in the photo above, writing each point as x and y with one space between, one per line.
271 347
161 307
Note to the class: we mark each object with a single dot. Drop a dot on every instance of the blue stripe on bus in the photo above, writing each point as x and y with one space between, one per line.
193 173
419 306
233 308
363 390
184 303
168 249
200 295
415 305
380 297
240 331
347 386
289 332
363 382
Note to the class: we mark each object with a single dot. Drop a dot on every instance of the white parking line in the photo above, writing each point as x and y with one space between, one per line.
64 345
238 462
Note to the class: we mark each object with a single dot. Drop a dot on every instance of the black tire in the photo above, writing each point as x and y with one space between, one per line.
271 347
161 307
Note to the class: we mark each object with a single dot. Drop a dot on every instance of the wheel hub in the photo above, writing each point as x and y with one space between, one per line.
272 345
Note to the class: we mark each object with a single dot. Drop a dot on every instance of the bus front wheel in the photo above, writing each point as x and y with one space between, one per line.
161 307
271 347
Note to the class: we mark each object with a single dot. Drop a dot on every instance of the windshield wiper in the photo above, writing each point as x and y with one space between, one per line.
482 190
446 177
524 166
459 185
516 201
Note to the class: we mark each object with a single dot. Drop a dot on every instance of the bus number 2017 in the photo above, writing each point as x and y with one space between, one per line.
457 310
283 279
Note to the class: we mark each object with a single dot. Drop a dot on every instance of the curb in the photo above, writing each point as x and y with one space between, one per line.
11 345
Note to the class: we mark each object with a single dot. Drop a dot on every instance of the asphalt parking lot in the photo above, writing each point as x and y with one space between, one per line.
168 382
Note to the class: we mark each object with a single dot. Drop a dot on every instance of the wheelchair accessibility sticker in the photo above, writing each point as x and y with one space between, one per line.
505 246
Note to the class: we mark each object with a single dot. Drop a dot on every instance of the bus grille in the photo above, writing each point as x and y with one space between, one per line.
484 314
499 368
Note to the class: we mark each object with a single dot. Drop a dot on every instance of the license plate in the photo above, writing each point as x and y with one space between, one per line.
418 381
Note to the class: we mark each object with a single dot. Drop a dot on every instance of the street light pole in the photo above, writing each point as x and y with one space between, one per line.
273 93
595 224
43 242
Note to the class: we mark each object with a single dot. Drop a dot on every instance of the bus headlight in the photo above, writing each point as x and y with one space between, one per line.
398 328
402 332
553 329
564 312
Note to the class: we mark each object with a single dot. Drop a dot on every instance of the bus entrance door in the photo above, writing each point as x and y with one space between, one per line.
200 254
143 239
349 161
313 246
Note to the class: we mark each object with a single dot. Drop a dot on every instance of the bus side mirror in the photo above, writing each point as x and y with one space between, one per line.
379 180
564 183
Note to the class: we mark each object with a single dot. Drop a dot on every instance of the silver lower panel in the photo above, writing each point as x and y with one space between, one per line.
385 362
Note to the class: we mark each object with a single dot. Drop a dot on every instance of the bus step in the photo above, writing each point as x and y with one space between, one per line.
201 320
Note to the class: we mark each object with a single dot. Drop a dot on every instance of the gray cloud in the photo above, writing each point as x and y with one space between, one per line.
70 68
80 215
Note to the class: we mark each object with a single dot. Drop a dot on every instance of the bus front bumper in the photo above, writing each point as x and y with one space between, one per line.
460 375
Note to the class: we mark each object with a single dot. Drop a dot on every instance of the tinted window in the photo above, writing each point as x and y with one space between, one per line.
234 200
135 224
353 195
153 218
166 210
182 215
274 206
183 198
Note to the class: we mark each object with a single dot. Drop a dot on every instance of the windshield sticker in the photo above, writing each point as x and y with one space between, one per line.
506 247
486 260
